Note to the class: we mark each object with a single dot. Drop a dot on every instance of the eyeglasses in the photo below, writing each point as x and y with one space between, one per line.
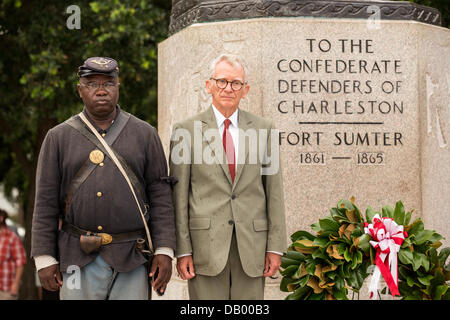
93 86
236 85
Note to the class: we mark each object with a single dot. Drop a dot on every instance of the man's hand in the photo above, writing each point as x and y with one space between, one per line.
185 267
163 264
273 262
50 277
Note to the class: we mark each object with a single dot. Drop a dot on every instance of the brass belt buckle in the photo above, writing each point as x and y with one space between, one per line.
106 238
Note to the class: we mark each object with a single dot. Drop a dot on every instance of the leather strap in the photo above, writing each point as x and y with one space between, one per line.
116 237
88 167
112 155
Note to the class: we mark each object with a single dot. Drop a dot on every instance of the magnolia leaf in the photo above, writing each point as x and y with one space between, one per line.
351 215
318 254
338 215
399 213
289 271
408 217
285 281
304 246
318 272
339 284
354 262
314 284
316 227
321 241
331 275
341 248
304 250
440 291
405 256
333 252
419 259
328 225
291 287
423 236
443 255
299 293
340 294
348 231
437 280
411 282
304 280
347 255
359 257
299 235
294 255
370 213
329 296
425 280
432 255
406 243
329 268
311 268
318 296
356 278
415 227
342 229
285 262
345 204
388 212
301 272
363 242
436 244
323 284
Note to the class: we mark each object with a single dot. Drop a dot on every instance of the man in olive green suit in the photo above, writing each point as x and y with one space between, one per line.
229 203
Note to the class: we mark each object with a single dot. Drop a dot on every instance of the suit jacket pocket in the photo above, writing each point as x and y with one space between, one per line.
260 225
200 240
199 223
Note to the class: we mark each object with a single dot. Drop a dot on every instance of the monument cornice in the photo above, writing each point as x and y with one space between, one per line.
187 12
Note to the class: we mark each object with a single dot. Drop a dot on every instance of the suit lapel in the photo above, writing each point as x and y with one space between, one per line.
244 125
209 123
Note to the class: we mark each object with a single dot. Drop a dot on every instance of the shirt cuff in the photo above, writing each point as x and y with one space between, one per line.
276 252
165 250
44 262
184 255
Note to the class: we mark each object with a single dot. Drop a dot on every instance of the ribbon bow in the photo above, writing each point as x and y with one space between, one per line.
387 237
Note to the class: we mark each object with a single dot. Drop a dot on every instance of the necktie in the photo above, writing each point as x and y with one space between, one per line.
229 147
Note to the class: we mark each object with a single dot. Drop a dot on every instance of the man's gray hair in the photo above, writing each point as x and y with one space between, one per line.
232 59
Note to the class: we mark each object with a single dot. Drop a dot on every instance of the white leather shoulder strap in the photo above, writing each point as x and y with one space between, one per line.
119 165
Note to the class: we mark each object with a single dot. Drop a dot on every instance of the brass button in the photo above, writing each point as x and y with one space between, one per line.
103 134
101 164
99 194
99 228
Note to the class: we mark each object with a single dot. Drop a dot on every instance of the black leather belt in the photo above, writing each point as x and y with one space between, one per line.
106 237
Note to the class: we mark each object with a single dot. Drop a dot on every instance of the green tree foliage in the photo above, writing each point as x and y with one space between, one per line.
38 64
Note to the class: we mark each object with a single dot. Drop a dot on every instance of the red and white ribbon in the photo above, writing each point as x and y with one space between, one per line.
387 237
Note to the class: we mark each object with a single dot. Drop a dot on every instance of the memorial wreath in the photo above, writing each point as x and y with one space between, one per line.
336 259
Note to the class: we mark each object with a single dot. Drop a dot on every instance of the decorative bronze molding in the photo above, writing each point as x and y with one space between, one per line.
187 12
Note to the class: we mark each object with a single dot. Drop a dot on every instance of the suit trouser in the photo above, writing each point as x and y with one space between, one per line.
230 284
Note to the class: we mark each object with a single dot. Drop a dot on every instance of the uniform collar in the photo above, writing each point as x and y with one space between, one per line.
98 128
